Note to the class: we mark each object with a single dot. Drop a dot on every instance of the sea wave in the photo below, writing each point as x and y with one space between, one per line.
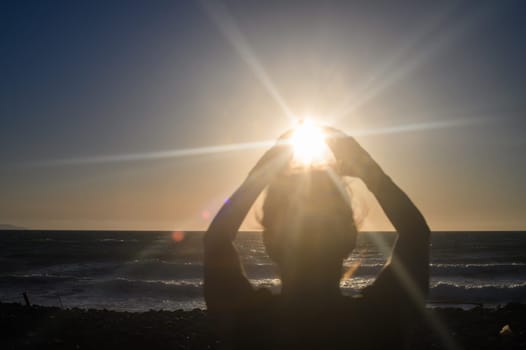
478 293
156 269
29 280
148 288
118 292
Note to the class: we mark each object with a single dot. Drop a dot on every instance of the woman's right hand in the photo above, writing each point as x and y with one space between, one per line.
353 160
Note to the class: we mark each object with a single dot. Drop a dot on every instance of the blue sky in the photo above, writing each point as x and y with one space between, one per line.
92 91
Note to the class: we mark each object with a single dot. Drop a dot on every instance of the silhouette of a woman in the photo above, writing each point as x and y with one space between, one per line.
308 231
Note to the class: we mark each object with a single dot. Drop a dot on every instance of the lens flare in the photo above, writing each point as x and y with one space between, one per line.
309 147
178 236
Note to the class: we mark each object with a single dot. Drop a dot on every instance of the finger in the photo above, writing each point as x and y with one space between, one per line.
333 134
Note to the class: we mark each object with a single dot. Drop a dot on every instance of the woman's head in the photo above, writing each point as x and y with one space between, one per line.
308 223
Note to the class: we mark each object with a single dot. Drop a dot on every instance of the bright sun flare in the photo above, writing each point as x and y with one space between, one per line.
308 143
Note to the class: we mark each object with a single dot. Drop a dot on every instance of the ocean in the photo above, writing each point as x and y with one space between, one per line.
139 271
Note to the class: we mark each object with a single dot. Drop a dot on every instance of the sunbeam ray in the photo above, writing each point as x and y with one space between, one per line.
119 158
412 60
401 54
156 155
219 14
432 125
417 297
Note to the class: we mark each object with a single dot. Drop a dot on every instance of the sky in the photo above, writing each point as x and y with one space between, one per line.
147 114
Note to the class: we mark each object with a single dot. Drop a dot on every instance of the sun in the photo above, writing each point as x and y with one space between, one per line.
308 144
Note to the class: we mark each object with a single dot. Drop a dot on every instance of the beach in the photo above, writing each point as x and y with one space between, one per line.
39 327
97 289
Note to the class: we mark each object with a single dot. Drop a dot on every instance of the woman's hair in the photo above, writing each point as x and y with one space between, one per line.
308 216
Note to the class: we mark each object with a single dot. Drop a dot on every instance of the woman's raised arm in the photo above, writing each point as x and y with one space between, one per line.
225 284
408 268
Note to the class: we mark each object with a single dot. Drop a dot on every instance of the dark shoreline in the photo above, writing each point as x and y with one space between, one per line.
51 328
